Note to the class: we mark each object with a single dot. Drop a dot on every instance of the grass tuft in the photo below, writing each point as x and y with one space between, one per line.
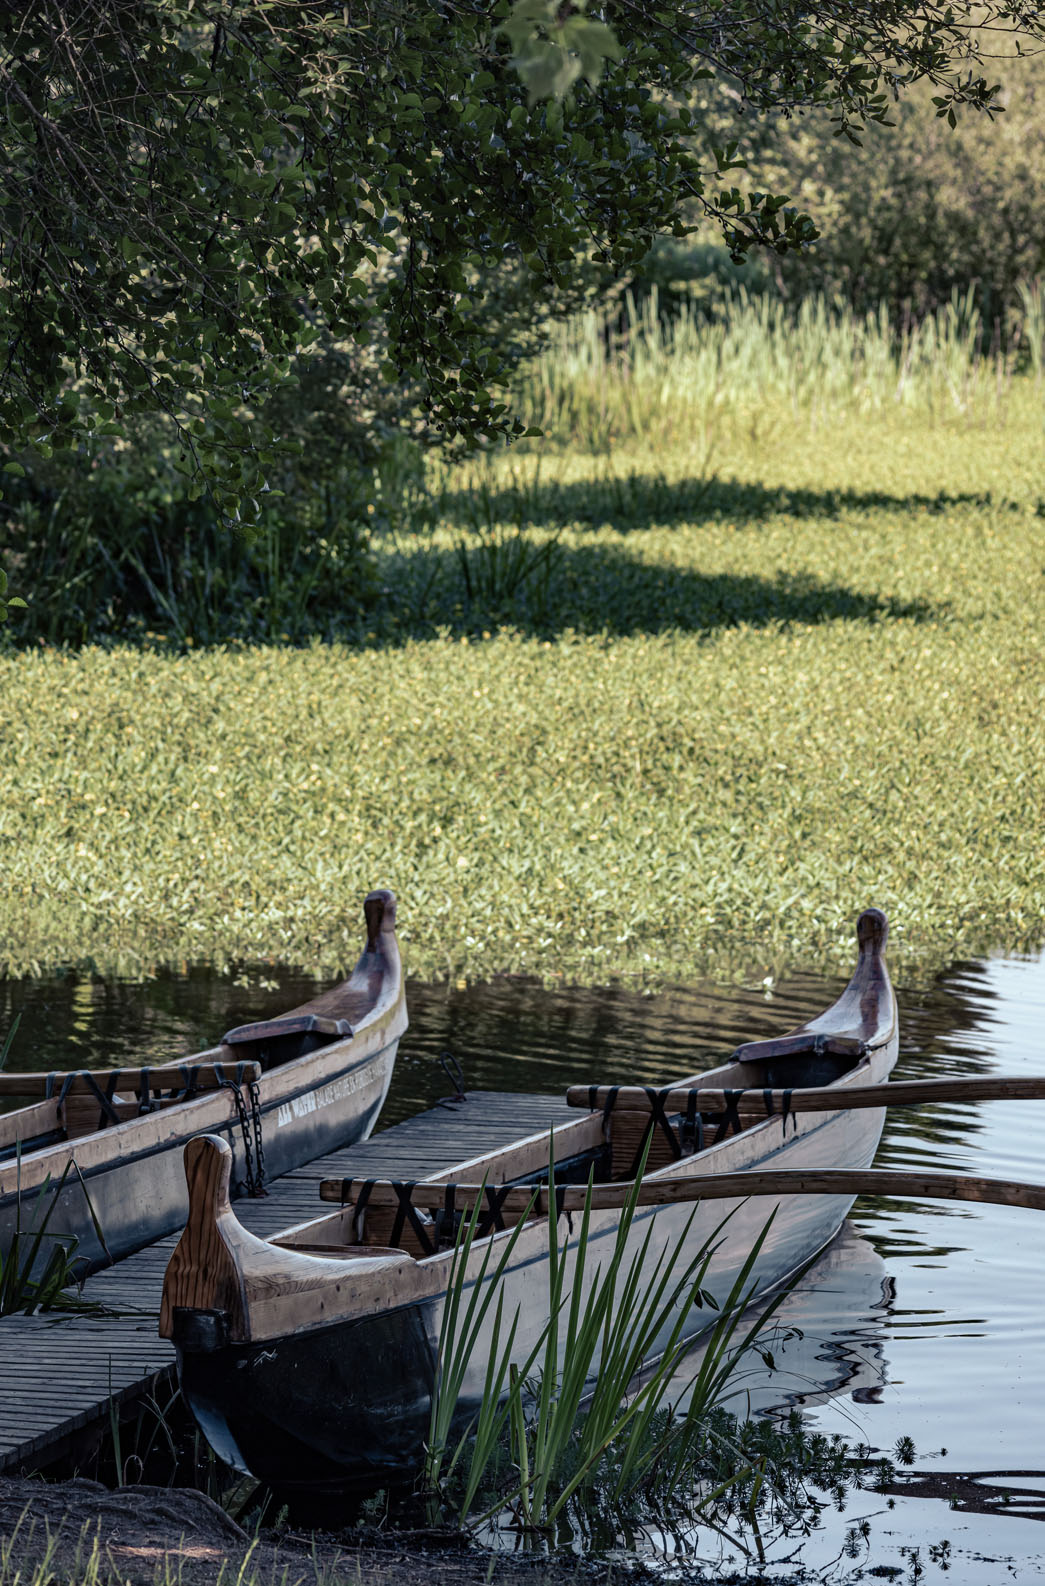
37 1267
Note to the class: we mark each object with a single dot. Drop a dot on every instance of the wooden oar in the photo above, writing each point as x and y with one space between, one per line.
113 1081
814 1098
518 1198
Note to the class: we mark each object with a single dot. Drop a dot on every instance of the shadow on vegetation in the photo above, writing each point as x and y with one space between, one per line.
465 561
605 589
644 501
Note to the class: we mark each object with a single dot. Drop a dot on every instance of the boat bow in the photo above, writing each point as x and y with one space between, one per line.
224 1285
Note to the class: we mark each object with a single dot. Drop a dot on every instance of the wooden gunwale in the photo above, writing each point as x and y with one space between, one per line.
205 1076
766 1103
664 1190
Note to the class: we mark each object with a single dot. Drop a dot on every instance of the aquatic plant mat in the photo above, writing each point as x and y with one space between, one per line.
756 685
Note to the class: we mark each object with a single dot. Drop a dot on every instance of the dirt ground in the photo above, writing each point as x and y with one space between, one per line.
142 1536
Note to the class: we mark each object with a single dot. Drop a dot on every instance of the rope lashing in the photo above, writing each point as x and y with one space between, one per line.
658 1120
108 1113
731 1120
691 1129
406 1213
360 1205
560 1203
447 1220
431 1236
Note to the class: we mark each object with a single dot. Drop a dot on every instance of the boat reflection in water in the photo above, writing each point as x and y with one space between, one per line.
826 1339
828 1342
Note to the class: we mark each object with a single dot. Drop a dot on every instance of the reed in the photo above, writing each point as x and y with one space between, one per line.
588 1406
120 548
610 377
38 1266
462 1322
31 1280
153 1430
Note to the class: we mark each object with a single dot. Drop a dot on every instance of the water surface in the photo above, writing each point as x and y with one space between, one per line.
924 1321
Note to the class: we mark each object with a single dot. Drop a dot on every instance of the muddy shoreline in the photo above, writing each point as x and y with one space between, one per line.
142 1536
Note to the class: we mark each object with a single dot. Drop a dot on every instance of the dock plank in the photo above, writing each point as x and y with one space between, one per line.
59 1371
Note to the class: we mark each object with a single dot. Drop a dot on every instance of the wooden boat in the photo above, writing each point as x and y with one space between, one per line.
309 1359
102 1146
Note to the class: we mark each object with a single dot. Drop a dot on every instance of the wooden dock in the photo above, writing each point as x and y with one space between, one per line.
62 1374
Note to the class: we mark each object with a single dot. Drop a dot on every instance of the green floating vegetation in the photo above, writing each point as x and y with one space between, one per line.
770 674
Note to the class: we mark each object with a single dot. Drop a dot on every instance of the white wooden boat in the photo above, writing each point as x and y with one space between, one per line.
101 1149
309 1360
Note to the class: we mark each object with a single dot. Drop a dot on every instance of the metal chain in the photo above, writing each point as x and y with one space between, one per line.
259 1144
252 1179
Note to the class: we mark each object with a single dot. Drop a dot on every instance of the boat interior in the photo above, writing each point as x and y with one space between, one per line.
30 1128
50 1108
608 1143
77 1102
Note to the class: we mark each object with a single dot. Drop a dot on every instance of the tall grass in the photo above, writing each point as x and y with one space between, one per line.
586 1405
460 1329
37 1266
111 547
105 558
47 1567
606 378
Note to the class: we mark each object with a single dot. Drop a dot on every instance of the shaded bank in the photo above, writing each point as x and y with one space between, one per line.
77 1533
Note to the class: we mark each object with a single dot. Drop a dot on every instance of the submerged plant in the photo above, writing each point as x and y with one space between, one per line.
8 1041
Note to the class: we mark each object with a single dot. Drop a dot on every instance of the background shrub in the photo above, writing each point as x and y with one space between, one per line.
918 211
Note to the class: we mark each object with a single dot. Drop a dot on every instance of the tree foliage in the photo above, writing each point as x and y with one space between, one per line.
193 192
